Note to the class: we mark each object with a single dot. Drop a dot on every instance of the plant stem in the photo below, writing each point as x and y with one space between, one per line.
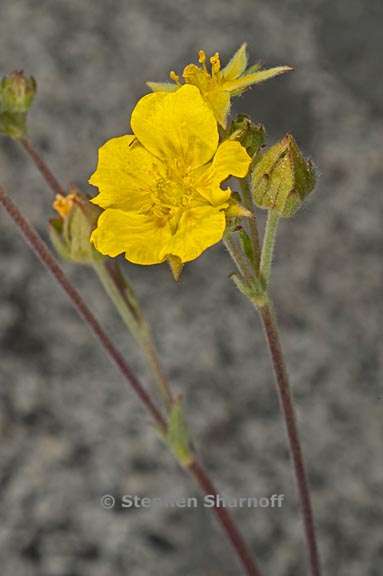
41 250
48 175
225 520
253 229
284 393
127 306
115 286
287 406
47 259
268 245
239 259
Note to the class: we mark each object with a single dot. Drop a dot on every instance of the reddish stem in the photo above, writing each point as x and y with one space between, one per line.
41 250
225 520
49 177
287 405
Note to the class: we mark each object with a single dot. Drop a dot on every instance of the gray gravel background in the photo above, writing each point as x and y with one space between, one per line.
70 432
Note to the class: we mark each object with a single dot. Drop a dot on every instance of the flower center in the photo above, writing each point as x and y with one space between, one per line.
171 196
206 80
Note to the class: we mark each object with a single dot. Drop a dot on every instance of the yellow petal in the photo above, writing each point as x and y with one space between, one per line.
249 79
237 64
138 235
219 101
236 210
211 91
198 229
177 126
231 159
125 174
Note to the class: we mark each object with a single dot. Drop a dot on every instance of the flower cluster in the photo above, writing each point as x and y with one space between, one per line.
162 188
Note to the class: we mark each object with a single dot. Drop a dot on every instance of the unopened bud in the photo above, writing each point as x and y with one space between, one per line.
282 178
17 92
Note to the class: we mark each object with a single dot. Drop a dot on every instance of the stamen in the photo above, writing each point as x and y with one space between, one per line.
215 64
202 58
174 76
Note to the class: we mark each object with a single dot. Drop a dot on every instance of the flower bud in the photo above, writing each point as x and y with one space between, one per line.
250 135
282 178
17 92
70 233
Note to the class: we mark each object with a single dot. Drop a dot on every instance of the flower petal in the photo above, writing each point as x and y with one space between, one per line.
231 159
219 100
211 90
177 126
247 80
198 229
138 235
237 65
125 174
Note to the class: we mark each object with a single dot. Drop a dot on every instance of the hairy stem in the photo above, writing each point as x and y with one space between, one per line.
268 245
43 168
284 393
39 247
49 261
120 293
224 518
253 229
287 407
127 306
239 258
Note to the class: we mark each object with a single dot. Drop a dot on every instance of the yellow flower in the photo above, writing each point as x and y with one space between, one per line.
160 187
218 85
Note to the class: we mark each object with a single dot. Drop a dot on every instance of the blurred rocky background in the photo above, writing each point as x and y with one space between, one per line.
70 430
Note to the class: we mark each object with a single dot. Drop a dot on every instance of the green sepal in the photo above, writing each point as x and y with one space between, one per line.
255 292
177 435
13 125
162 86
70 235
55 230
246 245
176 266
250 135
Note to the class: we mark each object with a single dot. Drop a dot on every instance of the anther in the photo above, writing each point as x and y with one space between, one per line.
202 58
174 76
215 63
